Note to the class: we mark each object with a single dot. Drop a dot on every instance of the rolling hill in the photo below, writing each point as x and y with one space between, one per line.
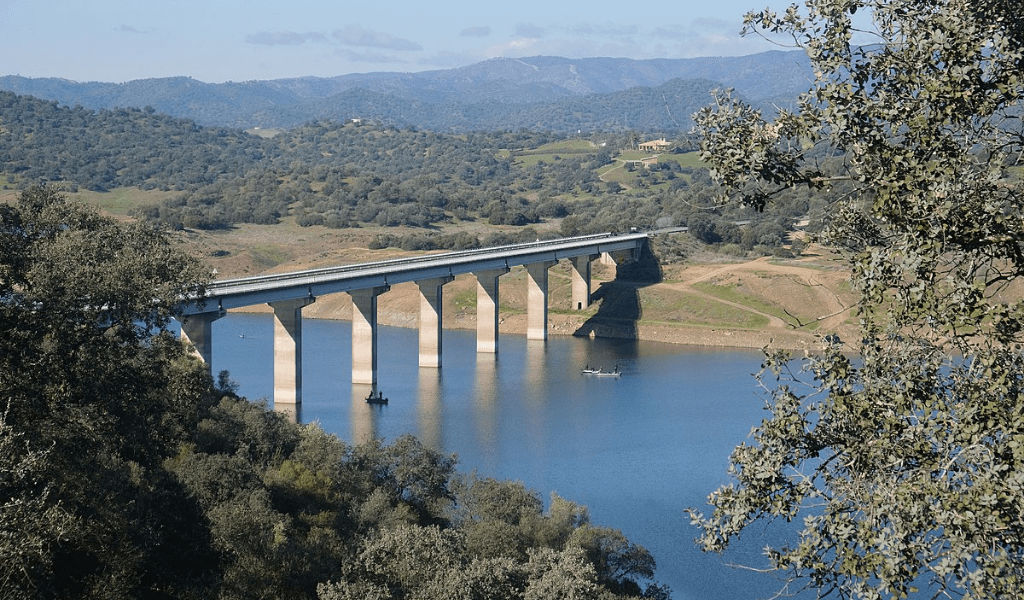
548 93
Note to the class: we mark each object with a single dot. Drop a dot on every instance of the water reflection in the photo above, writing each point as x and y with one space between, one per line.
485 407
536 374
292 412
429 408
363 415
579 355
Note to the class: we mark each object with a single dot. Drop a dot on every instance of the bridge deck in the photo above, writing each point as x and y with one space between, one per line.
248 291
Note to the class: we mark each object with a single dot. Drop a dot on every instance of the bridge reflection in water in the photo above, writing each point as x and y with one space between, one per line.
288 293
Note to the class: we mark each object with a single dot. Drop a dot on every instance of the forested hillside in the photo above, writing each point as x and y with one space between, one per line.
344 175
542 92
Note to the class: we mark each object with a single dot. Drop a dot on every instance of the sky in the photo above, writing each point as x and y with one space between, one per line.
240 40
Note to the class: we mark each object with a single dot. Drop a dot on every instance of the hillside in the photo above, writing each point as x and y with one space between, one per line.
358 175
540 92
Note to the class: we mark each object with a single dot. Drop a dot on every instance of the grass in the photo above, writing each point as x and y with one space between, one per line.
731 294
464 300
564 145
688 159
119 201
530 160
690 309
549 153
268 256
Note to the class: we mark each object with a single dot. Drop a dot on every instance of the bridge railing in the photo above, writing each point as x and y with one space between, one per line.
397 264
233 293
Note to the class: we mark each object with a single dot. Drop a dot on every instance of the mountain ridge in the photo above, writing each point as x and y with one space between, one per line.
495 90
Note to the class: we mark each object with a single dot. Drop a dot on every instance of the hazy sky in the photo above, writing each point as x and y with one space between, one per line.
239 40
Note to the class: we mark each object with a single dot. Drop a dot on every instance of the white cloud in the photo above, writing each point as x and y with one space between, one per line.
354 35
516 47
529 30
476 32
127 29
604 29
284 38
370 56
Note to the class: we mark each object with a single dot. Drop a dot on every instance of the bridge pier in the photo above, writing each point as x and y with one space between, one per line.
364 333
288 351
430 319
537 299
620 256
581 280
487 309
197 330
288 293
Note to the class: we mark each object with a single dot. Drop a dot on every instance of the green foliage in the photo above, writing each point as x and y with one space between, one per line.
96 396
906 465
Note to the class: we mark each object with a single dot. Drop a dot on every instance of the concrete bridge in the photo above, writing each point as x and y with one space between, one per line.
288 293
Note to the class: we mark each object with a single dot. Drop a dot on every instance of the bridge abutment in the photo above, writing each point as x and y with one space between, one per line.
288 350
487 309
431 294
537 299
364 333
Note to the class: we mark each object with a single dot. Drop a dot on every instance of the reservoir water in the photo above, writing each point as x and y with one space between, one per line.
636 450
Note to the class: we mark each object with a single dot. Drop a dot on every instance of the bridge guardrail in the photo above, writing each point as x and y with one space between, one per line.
260 283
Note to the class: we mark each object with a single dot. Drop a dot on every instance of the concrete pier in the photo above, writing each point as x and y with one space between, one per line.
364 333
431 295
487 309
581 280
197 330
288 350
537 299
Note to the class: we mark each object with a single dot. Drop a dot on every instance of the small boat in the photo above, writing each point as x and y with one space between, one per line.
600 372
378 399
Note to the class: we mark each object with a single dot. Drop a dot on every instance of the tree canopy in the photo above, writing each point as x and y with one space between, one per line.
906 465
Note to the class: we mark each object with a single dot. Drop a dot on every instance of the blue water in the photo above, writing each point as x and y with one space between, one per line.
636 450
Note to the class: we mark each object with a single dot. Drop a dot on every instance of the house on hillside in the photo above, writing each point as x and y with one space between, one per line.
654 146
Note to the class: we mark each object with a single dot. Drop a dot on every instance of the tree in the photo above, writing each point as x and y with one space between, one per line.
905 465
96 395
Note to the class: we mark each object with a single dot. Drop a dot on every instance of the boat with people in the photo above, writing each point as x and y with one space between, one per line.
600 372
376 399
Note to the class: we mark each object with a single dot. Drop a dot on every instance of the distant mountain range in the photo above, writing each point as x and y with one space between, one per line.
537 93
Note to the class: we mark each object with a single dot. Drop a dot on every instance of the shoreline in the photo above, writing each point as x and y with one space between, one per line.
577 326
752 305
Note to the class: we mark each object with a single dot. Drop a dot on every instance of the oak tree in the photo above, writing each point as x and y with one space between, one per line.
95 396
902 466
